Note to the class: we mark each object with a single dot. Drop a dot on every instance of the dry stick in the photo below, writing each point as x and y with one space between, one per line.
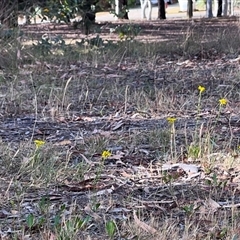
36 111
65 90
120 62
126 100
9 185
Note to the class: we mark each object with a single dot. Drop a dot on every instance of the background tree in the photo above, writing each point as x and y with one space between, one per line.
218 7
209 13
190 8
225 7
161 9
120 8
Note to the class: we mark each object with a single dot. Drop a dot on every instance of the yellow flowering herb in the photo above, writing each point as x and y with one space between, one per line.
105 154
39 143
201 89
46 10
223 101
171 120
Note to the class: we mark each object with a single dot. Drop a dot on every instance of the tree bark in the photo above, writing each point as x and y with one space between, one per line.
219 9
225 7
209 13
121 7
190 9
124 9
161 9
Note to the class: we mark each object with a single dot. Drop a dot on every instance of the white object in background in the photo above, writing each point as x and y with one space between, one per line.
215 8
183 4
116 9
232 7
144 5
225 7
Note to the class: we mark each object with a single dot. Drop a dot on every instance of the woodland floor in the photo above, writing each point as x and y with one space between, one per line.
162 181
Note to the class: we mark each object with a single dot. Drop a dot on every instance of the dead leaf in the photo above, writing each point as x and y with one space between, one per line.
63 143
117 125
143 225
91 213
212 204
86 159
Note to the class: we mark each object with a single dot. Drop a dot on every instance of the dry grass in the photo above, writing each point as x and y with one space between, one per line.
83 99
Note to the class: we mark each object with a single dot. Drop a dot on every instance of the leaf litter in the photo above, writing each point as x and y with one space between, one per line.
139 181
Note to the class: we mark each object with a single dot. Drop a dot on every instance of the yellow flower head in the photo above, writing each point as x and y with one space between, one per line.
171 120
105 154
201 89
39 143
222 101
46 10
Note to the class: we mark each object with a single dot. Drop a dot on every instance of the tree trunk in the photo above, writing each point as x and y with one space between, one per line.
231 7
121 9
124 9
209 13
190 9
161 9
219 9
225 7
146 4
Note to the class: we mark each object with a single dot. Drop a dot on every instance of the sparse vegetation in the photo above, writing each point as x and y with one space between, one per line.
131 138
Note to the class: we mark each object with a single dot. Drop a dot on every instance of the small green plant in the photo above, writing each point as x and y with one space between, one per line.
70 228
194 151
30 220
215 181
195 148
97 42
94 43
127 31
110 228
167 178
33 222
38 151
105 154
44 205
188 209
47 45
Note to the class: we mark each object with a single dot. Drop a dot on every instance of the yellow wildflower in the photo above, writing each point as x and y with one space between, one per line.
39 143
46 10
223 101
105 154
171 120
201 89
